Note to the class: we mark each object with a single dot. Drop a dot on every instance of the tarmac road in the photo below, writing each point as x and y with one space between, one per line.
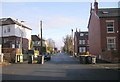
61 67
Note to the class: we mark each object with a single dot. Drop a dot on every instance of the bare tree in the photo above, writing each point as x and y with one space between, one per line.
51 45
68 44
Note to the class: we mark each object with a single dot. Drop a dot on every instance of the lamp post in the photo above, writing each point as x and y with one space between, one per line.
41 35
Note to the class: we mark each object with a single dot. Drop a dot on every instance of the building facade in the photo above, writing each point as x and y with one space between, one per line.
15 36
80 43
104 32
36 44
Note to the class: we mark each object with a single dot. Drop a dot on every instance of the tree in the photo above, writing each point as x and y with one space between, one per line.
50 45
68 44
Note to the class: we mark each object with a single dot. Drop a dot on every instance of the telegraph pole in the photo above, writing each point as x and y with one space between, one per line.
41 35
21 39
72 43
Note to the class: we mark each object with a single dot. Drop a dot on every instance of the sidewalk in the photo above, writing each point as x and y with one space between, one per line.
101 61
4 64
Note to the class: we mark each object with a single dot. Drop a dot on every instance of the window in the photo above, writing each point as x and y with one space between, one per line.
5 40
86 34
111 43
82 49
8 29
105 12
5 31
17 44
81 41
81 34
110 26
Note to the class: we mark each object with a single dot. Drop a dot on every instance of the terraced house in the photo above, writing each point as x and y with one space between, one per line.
16 38
81 45
104 33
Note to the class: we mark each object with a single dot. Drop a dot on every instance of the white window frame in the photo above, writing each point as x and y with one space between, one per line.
82 49
81 34
114 44
110 27
81 41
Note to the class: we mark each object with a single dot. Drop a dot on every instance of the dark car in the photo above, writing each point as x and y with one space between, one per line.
47 56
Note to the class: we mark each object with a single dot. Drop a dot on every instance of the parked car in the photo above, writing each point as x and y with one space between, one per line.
47 56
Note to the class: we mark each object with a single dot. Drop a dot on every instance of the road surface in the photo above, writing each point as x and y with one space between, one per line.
61 67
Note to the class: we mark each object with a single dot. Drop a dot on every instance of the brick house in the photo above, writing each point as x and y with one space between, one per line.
15 36
104 32
80 42
36 44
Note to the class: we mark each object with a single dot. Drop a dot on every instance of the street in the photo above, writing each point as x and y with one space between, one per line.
61 67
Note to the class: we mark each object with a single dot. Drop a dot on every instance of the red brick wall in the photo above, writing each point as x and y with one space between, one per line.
25 43
119 34
94 35
108 55
104 33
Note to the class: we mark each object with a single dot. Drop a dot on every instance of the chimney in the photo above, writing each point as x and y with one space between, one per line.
96 7
90 7
76 30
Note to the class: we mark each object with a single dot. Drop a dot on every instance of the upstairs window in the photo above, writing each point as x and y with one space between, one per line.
81 41
8 29
5 31
110 26
81 34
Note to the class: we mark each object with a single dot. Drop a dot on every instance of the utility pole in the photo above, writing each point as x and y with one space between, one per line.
72 43
41 35
21 41
1 39
1 42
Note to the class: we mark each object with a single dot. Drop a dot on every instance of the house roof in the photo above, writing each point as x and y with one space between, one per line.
106 12
109 12
8 21
36 38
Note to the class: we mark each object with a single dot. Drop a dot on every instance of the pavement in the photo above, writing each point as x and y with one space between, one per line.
4 64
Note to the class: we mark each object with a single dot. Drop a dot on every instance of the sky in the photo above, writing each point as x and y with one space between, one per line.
58 17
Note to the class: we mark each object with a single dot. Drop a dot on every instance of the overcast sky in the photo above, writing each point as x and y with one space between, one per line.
58 17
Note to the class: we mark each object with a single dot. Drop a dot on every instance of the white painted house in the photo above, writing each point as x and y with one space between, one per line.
15 35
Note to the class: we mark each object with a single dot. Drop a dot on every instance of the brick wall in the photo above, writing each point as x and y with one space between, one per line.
94 35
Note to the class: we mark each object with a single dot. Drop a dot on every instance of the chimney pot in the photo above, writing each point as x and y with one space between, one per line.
96 7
